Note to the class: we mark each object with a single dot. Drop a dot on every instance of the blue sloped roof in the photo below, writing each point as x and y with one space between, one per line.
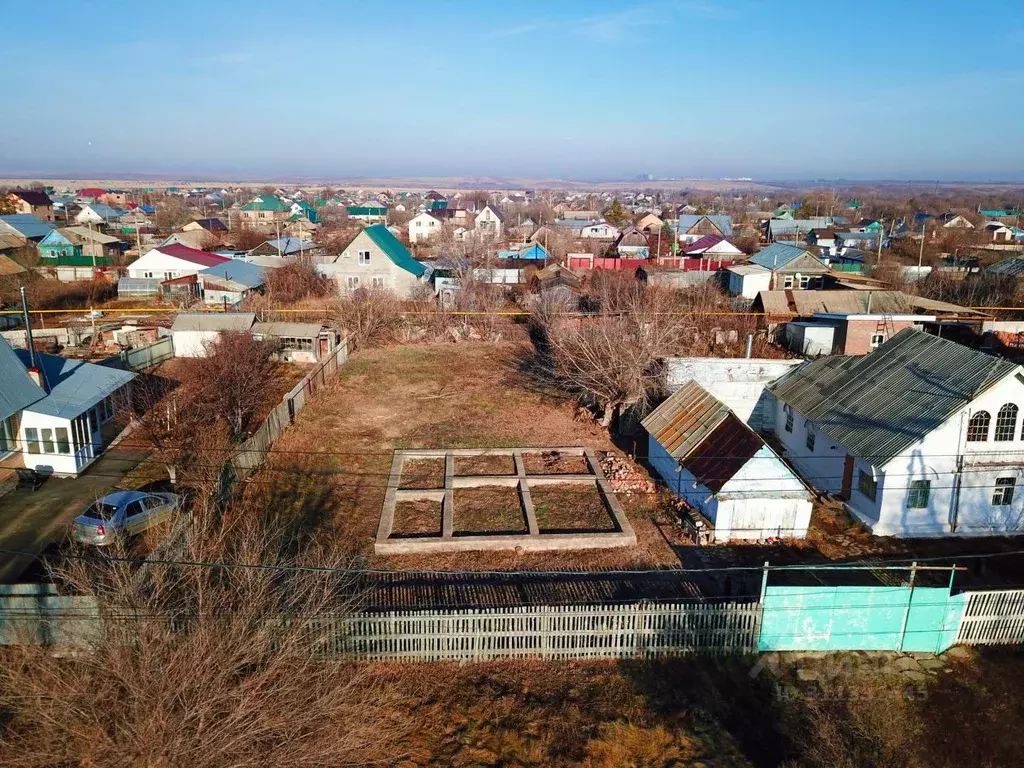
237 271
286 245
777 255
17 390
74 385
27 225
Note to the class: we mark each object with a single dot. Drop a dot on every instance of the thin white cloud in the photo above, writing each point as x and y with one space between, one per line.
620 25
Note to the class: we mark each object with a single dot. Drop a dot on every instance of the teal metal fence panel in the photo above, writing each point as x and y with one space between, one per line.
859 618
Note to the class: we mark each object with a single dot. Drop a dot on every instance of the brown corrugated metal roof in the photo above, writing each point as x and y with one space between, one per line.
10 267
807 303
729 446
703 434
680 423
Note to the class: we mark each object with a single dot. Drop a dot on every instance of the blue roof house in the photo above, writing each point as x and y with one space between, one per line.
531 251
28 226
53 409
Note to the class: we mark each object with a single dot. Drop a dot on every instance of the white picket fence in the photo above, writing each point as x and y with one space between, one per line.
992 618
548 632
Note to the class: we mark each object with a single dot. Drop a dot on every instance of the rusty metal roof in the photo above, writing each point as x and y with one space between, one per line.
683 421
703 435
879 404
807 303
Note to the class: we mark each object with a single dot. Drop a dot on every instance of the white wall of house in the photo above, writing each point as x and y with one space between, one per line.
965 497
69 451
162 266
192 343
738 383
763 500
599 232
364 265
749 285
423 226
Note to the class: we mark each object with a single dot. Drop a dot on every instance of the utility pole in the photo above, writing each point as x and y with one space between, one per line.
880 231
920 253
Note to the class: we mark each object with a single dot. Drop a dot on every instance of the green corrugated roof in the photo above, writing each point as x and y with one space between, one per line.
266 203
76 261
394 250
366 210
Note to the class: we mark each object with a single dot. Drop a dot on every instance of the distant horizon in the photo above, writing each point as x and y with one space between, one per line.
511 181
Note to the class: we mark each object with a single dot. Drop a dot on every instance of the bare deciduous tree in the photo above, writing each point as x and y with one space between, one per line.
370 316
610 360
203 665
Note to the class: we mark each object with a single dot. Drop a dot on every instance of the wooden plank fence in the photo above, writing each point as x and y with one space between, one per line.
550 632
992 618
253 451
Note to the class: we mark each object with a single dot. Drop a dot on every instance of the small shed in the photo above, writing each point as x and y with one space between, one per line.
300 342
747 280
193 331
712 460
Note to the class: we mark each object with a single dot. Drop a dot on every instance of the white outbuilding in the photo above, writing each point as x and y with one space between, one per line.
717 464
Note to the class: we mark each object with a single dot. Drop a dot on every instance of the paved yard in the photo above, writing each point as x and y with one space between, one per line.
32 521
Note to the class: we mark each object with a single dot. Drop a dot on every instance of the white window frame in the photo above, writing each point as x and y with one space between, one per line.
364 258
877 340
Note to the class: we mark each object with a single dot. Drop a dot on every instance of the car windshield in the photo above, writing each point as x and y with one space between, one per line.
101 511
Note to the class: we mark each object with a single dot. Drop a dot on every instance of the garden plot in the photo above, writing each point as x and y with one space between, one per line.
570 507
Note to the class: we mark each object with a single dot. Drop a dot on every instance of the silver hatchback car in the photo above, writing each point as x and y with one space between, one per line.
122 512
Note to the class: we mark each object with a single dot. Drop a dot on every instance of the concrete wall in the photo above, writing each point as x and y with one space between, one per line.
739 383
810 339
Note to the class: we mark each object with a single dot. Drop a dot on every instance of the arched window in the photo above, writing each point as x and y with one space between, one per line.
1006 423
977 428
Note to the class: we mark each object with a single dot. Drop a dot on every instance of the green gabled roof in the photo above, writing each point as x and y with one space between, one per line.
266 203
394 250
366 210
320 203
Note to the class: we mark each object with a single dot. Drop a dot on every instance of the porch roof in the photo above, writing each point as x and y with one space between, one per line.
74 386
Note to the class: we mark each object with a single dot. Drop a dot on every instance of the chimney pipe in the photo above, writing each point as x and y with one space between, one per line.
34 371
869 301
750 346
28 329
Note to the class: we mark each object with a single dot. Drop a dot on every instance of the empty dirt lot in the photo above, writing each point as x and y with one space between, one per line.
330 470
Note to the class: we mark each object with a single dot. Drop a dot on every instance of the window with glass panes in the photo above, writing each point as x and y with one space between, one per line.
1003 494
919 492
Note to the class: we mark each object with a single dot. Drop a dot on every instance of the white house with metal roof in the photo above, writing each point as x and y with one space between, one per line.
922 437
708 457
193 332
52 409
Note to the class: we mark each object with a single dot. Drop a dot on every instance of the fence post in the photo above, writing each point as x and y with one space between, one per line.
906 611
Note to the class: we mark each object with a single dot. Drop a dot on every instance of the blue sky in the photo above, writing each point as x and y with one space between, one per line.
584 90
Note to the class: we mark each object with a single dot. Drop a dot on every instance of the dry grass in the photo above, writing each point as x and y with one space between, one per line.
487 509
421 517
422 473
470 395
702 712
484 465
570 507
554 463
